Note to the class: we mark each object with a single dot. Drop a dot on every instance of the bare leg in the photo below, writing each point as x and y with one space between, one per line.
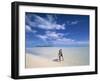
59 58
62 58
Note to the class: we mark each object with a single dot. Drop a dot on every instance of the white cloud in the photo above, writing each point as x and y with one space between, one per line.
59 39
54 35
50 36
48 23
63 41
56 38
29 29
67 41
29 22
34 31
72 22
82 42
43 37
50 18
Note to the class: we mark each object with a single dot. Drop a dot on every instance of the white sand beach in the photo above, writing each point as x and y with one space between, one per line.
37 61
47 57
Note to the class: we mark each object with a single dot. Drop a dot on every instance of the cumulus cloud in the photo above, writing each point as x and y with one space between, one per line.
48 23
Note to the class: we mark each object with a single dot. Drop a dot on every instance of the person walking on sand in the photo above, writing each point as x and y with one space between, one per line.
60 54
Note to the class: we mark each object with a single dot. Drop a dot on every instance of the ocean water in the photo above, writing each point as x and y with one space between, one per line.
75 54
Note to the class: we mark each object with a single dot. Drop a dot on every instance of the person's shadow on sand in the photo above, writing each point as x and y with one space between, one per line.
56 60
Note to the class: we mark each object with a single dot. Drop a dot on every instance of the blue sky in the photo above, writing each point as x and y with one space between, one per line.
45 29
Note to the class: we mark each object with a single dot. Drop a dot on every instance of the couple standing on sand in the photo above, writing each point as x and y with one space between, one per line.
60 55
